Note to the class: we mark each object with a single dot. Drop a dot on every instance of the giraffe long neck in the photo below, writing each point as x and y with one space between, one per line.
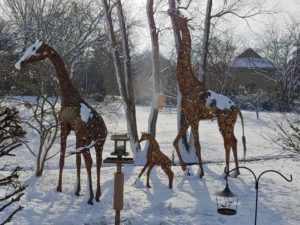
184 65
154 143
69 94
189 85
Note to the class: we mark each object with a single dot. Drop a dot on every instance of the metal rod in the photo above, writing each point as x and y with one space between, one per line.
256 201
118 217
257 181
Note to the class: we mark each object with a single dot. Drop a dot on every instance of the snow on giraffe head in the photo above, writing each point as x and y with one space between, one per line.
32 54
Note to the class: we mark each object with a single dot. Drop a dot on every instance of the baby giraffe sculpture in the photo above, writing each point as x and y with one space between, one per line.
156 157
76 115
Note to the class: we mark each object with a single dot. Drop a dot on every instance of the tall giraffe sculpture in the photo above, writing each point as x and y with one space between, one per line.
199 103
75 115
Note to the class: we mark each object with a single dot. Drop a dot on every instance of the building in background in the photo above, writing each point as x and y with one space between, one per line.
253 72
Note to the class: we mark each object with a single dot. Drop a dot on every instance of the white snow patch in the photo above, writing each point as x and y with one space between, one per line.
140 157
85 112
138 183
191 201
78 150
30 51
189 171
222 102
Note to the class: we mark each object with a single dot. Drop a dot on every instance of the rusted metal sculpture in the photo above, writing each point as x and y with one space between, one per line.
195 105
156 157
76 115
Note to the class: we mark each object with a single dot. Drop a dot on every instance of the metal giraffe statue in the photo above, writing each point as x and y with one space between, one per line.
75 115
198 103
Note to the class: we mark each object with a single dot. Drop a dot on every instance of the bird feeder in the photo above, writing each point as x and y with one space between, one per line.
161 101
120 144
119 151
226 201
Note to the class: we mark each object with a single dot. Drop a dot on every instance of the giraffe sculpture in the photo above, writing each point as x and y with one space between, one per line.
226 113
75 115
156 157
198 104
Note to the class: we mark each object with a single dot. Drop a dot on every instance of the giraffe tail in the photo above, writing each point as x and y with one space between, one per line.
243 137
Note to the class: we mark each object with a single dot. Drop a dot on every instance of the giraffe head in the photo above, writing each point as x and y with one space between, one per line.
145 136
35 52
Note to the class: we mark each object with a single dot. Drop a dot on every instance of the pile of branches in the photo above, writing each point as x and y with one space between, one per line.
10 131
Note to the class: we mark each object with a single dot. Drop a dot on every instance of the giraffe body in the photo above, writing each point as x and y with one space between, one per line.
75 115
156 158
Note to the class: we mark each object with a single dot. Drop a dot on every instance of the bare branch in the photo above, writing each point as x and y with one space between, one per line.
185 7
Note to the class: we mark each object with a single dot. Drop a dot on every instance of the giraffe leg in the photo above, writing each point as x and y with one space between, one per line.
88 163
227 146
78 166
143 170
99 149
170 175
235 154
195 133
148 175
182 130
63 138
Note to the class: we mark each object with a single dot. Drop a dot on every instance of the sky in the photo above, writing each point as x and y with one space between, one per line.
241 29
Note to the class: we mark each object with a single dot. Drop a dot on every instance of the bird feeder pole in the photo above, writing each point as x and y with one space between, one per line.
120 150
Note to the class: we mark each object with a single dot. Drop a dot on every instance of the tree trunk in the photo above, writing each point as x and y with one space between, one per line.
205 43
155 68
124 77
130 104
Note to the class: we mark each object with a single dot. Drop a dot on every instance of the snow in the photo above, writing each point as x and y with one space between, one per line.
78 150
191 201
251 62
85 112
221 101
30 51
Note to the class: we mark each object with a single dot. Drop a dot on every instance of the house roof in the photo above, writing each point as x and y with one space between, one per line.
251 59
249 53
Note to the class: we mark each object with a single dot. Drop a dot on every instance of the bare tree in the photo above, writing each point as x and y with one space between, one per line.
9 130
123 71
70 25
241 9
205 43
155 67
282 47
287 132
43 121
221 53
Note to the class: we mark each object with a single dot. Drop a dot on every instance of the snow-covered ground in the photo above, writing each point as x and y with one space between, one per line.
191 201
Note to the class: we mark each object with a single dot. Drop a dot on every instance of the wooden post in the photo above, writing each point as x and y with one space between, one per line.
118 193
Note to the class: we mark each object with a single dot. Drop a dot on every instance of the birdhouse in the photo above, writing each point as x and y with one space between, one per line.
120 144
